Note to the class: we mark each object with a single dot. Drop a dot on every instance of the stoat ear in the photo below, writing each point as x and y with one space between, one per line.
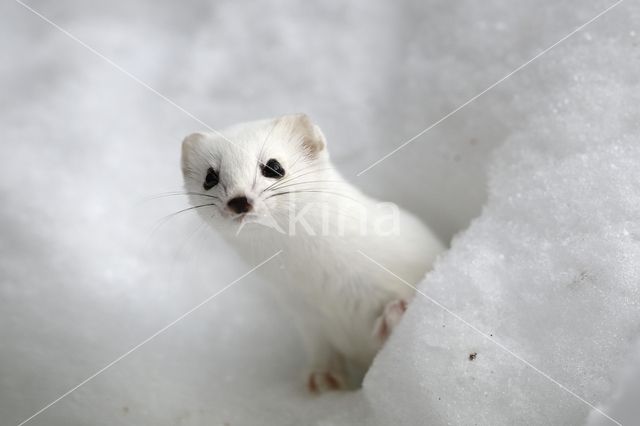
312 138
190 146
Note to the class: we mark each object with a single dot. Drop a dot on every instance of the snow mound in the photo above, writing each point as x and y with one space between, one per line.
549 269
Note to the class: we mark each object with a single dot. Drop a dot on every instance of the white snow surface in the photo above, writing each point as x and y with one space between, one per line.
538 179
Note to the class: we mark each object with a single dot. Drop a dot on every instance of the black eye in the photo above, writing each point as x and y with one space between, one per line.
211 180
273 169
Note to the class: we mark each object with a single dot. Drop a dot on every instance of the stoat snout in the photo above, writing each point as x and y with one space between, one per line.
240 205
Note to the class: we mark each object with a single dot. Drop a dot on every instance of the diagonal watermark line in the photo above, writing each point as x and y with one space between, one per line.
147 340
130 75
119 68
490 338
404 144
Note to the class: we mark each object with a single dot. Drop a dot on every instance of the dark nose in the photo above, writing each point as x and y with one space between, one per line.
239 205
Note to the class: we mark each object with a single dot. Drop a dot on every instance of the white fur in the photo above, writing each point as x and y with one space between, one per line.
335 293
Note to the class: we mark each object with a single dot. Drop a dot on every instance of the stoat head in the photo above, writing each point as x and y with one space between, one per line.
243 174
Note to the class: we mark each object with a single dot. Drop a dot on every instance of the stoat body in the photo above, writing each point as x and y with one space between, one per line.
269 185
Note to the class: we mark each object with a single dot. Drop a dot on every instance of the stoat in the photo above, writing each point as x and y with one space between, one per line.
269 185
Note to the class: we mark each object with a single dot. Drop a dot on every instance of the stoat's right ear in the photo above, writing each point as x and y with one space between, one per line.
191 145
310 135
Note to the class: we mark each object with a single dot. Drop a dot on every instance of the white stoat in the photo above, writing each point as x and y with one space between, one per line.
269 185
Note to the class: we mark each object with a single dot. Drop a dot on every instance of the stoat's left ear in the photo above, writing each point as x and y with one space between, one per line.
191 146
312 138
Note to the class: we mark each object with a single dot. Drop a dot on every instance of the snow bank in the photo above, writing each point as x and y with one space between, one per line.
549 270
547 267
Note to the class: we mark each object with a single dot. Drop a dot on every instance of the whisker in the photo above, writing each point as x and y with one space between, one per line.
259 162
295 173
310 169
162 221
276 184
173 194
172 215
313 191
307 182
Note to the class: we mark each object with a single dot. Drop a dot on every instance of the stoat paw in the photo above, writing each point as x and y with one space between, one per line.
323 381
389 319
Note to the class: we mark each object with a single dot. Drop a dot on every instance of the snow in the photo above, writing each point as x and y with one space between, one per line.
539 180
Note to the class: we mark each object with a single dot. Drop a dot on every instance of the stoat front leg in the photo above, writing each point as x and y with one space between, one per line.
389 319
328 367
